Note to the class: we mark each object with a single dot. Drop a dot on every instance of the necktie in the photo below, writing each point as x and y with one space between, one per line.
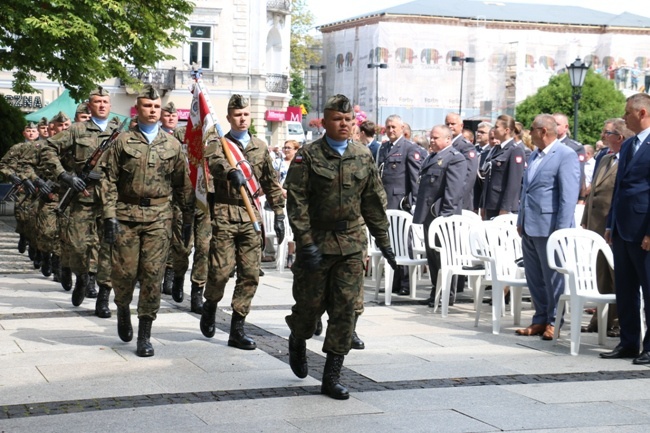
534 164
637 144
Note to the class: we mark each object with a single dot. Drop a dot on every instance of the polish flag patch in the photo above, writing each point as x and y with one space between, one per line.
472 154
416 156
519 159
298 159
581 158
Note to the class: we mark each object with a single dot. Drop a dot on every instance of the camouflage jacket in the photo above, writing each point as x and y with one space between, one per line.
228 205
330 196
12 161
70 149
140 178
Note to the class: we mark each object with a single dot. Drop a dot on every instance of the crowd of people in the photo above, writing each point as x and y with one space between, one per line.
117 209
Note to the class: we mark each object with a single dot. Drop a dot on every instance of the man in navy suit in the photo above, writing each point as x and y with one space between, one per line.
368 131
628 230
548 201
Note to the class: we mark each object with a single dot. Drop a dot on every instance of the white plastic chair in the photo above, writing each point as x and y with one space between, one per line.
453 235
497 244
283 248
418 244
508 218
374 254
398 232
577 213
573 252
471 215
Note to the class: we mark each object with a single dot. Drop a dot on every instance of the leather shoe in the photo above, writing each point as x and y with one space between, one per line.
534 329
614 332
643 359
404 291
589 328
621 352
548 332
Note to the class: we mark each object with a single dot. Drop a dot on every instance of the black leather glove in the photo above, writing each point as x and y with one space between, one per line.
73 181
311 257
187 234
29 187
43 187
236 178
15 179
111 227
278 226
389 255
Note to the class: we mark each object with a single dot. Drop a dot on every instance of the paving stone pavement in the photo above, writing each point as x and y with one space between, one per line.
63 369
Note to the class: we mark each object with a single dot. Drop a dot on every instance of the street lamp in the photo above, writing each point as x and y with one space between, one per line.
377 66
318 69
462 61
577 73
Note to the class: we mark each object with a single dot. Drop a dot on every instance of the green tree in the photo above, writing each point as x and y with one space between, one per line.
12 123
600 101
297 89
81 43
303 46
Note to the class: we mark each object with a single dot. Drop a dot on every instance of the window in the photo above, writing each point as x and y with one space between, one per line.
200 46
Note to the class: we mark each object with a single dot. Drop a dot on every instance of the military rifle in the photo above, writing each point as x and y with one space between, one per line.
87 171
11 194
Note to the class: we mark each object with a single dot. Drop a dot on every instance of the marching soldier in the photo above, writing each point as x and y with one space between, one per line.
142 171
234 240
333 188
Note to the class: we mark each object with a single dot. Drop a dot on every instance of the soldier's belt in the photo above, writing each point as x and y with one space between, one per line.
142 201
336 226
228 200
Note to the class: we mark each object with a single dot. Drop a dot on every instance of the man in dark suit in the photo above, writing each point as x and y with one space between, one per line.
482 150
455 124
442 180
562 135
399 163
597 205
628 229
547 204
368 131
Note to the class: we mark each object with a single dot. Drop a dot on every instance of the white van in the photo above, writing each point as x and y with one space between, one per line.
294 131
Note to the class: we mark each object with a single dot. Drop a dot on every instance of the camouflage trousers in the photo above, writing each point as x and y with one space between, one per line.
64 242
139 255
47 228
82 238
26 214
234 243
103 266
202 235
334 288
178 257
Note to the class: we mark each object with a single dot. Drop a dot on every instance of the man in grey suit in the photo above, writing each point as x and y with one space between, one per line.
442 181
548 201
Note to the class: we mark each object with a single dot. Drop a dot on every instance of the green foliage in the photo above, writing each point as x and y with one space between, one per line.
302 44
82 43
298 94
12 123
251 129
600 101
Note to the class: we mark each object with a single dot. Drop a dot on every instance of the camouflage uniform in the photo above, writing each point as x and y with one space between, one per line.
12 163
329 197
137 187
234 240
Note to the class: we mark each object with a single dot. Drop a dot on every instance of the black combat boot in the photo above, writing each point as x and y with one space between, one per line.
197 298
144 334
238 337
46 264
37 259
56 268
331 378
22 244
207 324
101 305
66 279
124 328
298 356
31 252
91 291
319 327
168 281
357 343
177 288
79 292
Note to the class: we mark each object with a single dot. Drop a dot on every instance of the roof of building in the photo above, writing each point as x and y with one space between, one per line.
508 12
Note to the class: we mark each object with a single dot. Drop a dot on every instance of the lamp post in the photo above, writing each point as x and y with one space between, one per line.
318 69
377 66
577 73
462 61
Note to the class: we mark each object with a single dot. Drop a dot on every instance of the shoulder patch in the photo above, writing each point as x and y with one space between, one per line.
416 156
581 158
472 154
297 159
519 159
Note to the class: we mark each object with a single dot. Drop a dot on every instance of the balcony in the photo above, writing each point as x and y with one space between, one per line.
161 79
277 83
280 6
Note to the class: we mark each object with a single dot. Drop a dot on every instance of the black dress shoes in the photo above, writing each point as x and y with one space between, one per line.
643 359
404 291
624 352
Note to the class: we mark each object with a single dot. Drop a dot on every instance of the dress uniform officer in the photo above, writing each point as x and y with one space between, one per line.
332 188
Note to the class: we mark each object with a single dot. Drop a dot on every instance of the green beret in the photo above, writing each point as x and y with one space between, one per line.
82 108
237 102
30 125
43 121
170 108
99 91
339 103
148 92
61 117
